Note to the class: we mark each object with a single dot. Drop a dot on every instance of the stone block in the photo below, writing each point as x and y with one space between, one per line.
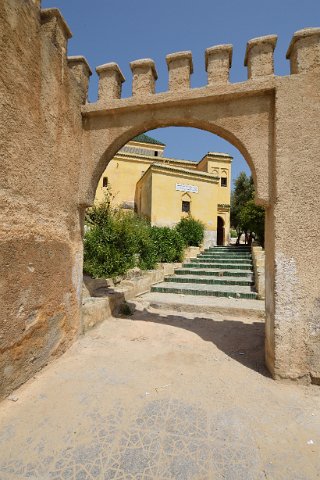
144 77
259 56
304 50
110 82
180 68
218 63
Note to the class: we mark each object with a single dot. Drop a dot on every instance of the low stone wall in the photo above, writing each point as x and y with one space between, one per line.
192 252
258 259
101 298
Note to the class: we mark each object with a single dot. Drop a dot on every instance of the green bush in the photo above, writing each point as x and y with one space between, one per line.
191 230
146 248
169 244
110 244
116 241
233 233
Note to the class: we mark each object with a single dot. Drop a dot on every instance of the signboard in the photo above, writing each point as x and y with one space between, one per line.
181 187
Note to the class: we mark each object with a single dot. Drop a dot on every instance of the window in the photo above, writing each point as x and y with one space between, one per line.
223 181
185 206
105 182
156 153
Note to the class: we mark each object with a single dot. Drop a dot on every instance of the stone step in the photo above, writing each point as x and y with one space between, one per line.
208 290
225 255
226 249
214 272
203 304
209 280
221 260
214 265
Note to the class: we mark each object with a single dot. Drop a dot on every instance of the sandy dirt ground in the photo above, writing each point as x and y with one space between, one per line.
160 395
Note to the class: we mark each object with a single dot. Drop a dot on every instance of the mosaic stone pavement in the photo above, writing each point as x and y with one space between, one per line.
88 415
168 439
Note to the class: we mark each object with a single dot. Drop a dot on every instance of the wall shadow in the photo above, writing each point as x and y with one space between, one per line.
243 342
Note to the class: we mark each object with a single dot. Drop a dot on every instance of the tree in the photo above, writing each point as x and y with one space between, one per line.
243 192
252 221
246 217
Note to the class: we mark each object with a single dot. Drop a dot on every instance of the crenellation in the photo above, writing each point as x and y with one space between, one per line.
144 77
110 82
55 27
259 56
304 50
180 68
82 72
218 63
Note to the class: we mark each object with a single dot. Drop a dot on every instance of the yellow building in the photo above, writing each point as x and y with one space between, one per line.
164 189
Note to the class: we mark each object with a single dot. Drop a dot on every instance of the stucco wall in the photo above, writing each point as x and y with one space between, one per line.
294 220
144 195
167 201
123 175
40 239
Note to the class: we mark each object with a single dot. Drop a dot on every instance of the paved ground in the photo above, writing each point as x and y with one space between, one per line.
162 396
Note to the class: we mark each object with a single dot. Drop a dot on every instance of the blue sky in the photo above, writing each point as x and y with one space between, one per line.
122 31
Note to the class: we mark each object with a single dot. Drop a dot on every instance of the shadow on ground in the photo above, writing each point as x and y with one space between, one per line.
241 341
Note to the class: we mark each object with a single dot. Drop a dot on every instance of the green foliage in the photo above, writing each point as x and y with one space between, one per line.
245 216
110 244
116 241
233 233
242 193
146 249
252 219
169 244
191 230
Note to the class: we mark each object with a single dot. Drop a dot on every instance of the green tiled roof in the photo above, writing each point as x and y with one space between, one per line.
143 138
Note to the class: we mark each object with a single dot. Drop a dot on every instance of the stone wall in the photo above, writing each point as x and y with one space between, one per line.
40 236
258 260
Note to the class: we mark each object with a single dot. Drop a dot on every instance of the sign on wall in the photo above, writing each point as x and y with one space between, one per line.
181 187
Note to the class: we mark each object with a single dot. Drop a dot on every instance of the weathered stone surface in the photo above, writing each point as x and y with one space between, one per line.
180 68
40 156
110 81
304 50
259 56
144 77
258 259
218 62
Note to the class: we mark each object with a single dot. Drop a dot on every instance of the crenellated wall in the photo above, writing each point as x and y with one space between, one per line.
55 146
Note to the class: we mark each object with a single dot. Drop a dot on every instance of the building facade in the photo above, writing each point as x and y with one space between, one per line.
164 190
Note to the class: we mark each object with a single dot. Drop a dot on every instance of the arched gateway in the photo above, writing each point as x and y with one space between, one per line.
66 144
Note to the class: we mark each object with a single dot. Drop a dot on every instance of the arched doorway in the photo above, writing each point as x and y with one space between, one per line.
220 231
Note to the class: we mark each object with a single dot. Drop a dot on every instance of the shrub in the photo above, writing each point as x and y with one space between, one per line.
169 244
110 244
191 230
146 248
116 241
233 233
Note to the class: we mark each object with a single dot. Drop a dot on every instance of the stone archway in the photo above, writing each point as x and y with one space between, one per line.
64 144
253 116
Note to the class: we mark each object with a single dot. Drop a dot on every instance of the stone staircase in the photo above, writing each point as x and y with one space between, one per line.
218 271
